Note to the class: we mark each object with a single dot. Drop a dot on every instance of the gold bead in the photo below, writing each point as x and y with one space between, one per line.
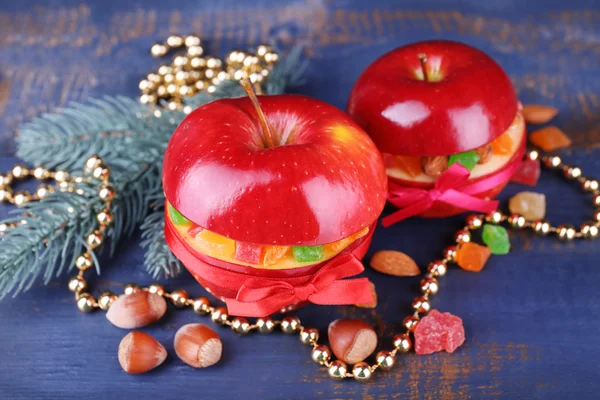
5 227
61 175
240 74
181 61
84 261
158 50
195 51
290 324
462 236
571 172
410 322
192 40
219 316
106 300
589 230
174 41
107 193
179 297
201 305
156 288
474 221
361 371
596 200
321 354
532 155
6 194
85 302
250 60
256 77
541 227
77 284
309 336
101 172
22 197
154 78
187 109
517 221
161 91
43 191
551 161
145 85
240 325
198 62
185 91
271 58
200 85
589 185
164 70
131 288
385 360
337 370
495 217
91 163
402 342
5 179
94 239
174 105
20 171
172 88
169 78
265 325
104 217
429 286
565 232
450 253
213 63
40 173
597 215
437 268
421 304
181 76
265 72
263 49
211 89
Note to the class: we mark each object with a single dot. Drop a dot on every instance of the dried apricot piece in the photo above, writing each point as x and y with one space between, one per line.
409 164
502 145
530 205
549 138
472 256
214 244
538 114
274 254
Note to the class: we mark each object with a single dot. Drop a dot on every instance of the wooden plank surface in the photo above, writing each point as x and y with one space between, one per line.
531 317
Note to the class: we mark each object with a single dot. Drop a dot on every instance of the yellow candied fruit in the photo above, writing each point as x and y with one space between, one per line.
213 244
275 253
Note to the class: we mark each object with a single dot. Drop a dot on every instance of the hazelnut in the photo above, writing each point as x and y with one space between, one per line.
433 166
198 346
352 340
131 311
140 352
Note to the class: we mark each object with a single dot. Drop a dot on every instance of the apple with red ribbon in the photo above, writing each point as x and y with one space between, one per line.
430 105
272 200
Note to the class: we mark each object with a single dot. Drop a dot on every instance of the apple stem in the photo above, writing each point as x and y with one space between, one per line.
423 60
267 135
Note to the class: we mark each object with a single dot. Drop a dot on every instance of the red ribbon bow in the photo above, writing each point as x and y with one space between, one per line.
451 188
260 296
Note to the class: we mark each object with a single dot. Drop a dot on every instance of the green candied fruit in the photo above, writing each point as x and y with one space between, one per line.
496 238
468 159
307 253
176 216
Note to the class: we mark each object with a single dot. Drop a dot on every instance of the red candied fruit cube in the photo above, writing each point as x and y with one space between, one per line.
194 230
528 173
248 252
439 331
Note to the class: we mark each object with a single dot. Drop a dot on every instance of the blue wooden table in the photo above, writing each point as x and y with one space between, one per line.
531 317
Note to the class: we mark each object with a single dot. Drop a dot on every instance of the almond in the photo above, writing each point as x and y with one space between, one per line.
434 165
538 114
372 304
393 262
136 310
484 153
352 340
140 352
198 346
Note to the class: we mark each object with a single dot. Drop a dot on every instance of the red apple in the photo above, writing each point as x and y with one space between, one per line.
439 98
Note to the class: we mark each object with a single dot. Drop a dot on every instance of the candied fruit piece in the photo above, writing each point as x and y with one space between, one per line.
528 173
194 230
274 254
531 205
176 216
248 252
215 245
549 138
409 164
502 145
468 159
496 238
439 331
340 245
472 256
308 253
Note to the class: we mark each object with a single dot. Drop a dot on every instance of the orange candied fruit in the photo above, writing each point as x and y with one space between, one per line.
472 256
274 254
502 145
213 244
549 138
409 164
340 245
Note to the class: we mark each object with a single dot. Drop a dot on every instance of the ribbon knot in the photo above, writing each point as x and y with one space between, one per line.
261 297
452 187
